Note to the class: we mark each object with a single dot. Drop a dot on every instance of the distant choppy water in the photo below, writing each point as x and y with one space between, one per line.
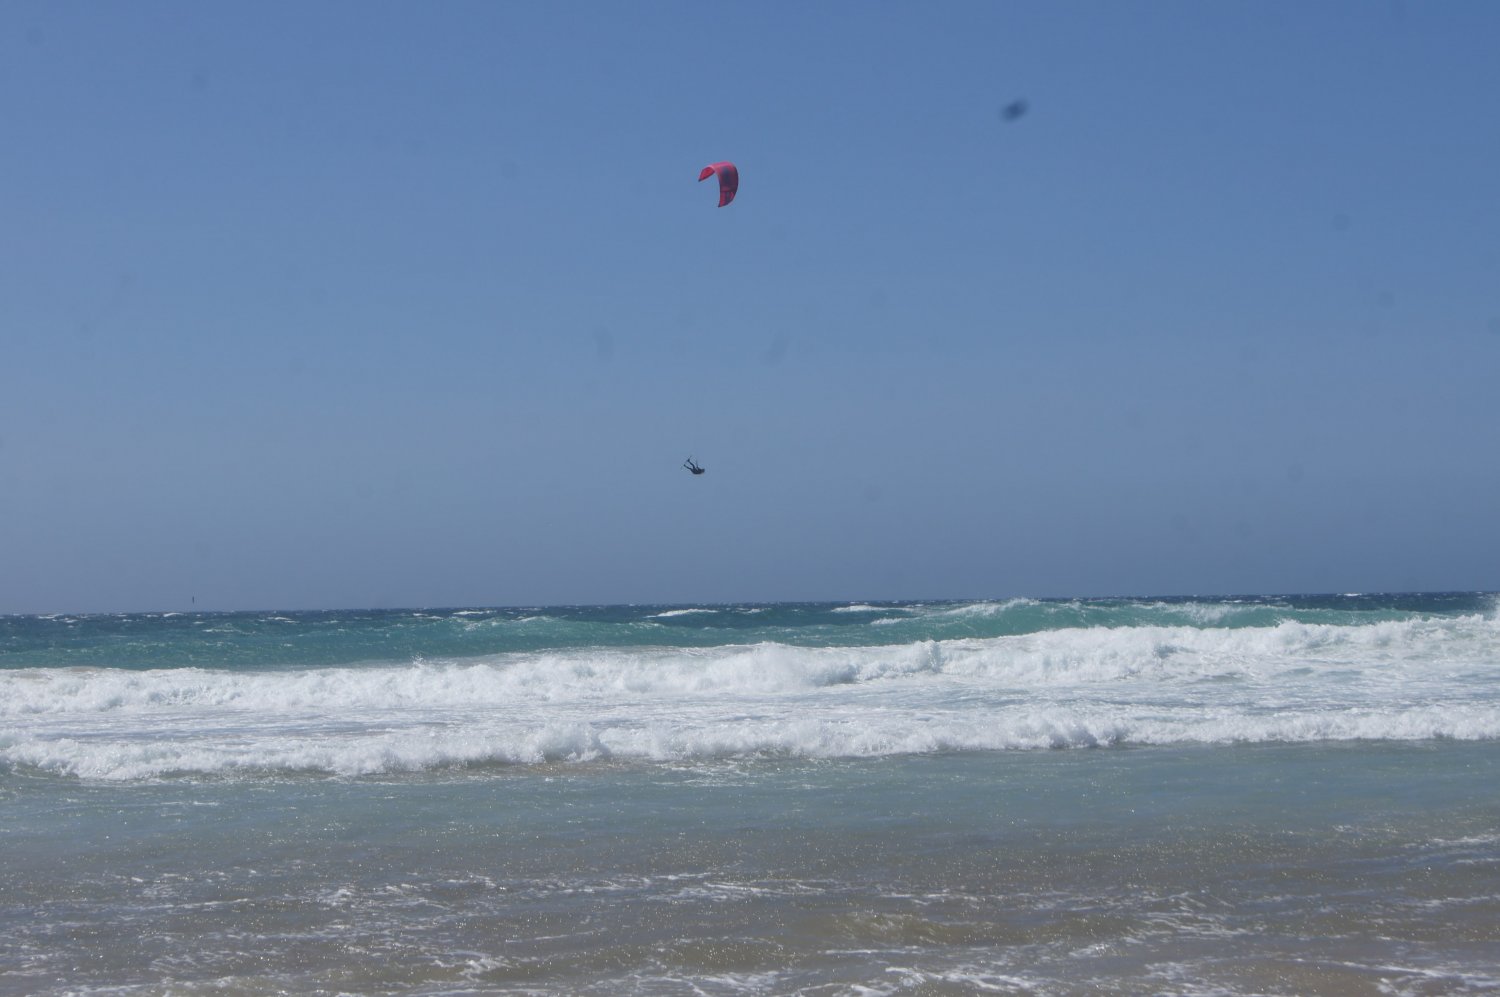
1284 795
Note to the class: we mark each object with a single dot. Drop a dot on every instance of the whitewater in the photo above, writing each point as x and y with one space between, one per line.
798 685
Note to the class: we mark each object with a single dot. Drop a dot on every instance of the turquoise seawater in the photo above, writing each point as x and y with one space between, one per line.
1256 795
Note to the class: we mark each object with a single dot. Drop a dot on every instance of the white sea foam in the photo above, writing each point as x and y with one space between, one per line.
1408 680
983 608
1200 613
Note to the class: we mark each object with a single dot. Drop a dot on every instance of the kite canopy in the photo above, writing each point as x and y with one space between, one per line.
729 180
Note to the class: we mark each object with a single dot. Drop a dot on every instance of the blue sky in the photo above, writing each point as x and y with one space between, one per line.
397 304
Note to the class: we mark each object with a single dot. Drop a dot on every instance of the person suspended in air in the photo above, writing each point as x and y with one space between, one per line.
692 465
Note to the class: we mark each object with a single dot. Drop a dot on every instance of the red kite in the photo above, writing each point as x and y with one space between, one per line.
729 180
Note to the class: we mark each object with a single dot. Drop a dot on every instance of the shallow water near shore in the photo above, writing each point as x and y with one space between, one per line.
1371 868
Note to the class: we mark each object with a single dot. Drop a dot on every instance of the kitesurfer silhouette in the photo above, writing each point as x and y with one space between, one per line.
692 465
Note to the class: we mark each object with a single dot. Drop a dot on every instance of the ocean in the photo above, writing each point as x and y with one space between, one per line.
1211 796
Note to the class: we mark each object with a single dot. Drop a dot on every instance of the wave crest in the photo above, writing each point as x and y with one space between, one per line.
1069 688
